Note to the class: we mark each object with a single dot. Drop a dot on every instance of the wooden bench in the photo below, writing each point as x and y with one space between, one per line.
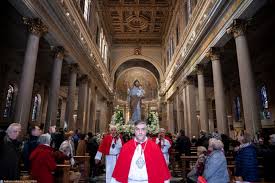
63 172
175 164
189 161
83 162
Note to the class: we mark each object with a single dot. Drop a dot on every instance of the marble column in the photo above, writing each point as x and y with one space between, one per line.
71 98
204 122
82 103
93 107
248 89
179 109
185 120
191 107
214 55
54 87
170 116
24 98
88 103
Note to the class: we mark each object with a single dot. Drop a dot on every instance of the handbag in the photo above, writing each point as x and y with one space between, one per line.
201 179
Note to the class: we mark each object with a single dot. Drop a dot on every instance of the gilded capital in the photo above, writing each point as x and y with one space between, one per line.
213 53
35 26
59 52
199 69
237 28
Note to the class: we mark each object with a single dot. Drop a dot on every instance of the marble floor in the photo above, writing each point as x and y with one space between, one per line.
101 179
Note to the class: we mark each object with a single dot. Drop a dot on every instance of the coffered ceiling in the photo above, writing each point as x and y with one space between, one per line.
136 21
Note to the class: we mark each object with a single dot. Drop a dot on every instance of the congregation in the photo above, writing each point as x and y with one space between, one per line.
38 154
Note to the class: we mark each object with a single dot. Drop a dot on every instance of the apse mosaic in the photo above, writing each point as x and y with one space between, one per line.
147 80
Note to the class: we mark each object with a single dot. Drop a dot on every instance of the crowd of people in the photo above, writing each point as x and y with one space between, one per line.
140 158
38 154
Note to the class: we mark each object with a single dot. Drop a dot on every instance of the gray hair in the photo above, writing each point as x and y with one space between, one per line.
44 139
215 144
11 126
247 138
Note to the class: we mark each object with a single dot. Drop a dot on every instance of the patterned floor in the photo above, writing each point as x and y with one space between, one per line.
101 179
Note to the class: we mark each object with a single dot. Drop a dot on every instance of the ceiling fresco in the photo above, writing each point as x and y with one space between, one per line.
147 80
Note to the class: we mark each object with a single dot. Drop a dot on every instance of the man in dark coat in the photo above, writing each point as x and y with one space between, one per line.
246 159
269 160
30 145
92 147
183 144
10 153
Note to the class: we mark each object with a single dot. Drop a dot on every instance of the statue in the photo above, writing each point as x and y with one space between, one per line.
135 94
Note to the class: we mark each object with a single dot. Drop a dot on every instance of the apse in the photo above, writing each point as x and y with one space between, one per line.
147 79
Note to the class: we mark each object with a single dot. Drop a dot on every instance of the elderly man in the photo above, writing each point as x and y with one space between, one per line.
140 160
10 153
110 147
164 143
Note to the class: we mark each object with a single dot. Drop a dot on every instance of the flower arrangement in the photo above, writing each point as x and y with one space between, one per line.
128 129
153 123
117 117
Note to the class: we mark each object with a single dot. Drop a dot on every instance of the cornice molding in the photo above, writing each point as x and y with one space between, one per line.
70 30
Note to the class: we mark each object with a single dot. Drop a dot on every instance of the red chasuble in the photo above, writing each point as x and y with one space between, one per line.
157 169
106 143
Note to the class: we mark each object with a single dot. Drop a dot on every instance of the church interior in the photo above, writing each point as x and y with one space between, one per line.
205 65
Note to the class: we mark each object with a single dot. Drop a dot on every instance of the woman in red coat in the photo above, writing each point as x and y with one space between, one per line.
42 161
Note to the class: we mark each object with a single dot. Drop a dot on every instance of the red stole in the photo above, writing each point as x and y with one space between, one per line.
106 143
157 169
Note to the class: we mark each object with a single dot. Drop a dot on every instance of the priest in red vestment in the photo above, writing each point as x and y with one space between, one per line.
164 143
140 160
110 147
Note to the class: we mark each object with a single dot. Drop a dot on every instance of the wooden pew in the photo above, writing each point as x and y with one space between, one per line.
63 172
189 161
83 162
175 164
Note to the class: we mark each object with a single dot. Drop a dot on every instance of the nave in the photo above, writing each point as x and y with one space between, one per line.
70 68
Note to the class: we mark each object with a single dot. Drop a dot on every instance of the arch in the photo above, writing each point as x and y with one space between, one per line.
119 62
146 77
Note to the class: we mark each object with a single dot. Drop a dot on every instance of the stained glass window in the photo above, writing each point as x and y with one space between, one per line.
237 107
35 108
9 102
265 114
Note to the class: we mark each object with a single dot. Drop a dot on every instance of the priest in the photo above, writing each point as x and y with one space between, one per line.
164 143
140 160
110 147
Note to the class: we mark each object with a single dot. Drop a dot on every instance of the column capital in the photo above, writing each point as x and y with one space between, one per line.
35 26
237 28
59 52
214 53
199 69
189 80
73 67
84 78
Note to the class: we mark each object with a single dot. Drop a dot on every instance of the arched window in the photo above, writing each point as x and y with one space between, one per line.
9 102
86 10
237 107
36 107
264 103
